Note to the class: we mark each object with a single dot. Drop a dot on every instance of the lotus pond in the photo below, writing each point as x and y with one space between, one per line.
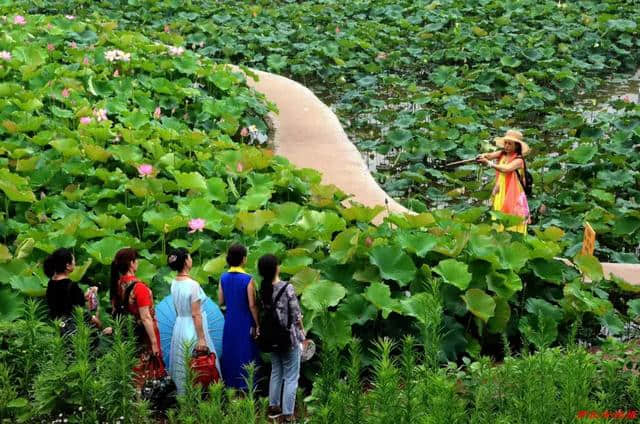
120 123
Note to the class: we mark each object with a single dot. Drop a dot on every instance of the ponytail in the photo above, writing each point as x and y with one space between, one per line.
120 265
267 268
56 263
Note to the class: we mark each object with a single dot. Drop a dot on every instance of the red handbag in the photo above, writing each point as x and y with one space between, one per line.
203 365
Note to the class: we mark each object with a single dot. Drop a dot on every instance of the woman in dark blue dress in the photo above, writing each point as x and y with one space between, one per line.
237 291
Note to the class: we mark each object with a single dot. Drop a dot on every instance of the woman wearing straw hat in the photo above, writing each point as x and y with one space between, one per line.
508 193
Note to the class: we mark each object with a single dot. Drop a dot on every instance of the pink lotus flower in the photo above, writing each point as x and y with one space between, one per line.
337 30
74 45
85 120
116 73
100 114
65 92
176 51
50 47
196 224
85 61
70 17
49 26
157 113
244 132
166 28
626 99
19 20
145 170
239 167
5 55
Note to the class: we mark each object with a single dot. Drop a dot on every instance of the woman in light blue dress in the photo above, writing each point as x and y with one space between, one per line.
190 329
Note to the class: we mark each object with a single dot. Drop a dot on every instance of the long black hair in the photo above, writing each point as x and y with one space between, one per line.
120 265
267 267
56 263
177 258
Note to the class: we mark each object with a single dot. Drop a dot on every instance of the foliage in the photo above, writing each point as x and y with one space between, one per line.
421 83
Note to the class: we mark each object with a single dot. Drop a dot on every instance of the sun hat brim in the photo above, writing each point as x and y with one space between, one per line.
500 143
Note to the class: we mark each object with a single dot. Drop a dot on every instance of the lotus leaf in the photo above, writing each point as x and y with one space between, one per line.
393 264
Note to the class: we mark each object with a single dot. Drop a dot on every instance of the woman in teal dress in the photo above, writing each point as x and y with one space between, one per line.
237 291
190 329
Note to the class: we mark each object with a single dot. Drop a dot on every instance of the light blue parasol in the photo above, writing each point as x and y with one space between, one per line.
166 316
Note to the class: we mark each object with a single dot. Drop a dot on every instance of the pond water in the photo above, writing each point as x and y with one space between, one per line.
625 88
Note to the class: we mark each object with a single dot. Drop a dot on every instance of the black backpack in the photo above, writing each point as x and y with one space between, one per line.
122 310
274 337
527 183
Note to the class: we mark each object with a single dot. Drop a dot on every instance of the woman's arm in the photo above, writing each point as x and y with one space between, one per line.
197 321
251 295
509 167
147 321
220 295
490 155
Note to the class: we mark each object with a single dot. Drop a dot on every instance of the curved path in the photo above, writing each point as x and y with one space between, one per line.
309 134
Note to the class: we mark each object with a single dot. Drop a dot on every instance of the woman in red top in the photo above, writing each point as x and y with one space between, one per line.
139 304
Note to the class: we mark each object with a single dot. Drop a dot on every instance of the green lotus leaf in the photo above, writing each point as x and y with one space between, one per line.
25 247
61 113
27 165
322 295
344 246
479 304
504 284
135 119
454 272
506 219
79 271
276 62
216 266
583 153
417 242
582 300
379 295
589 266
293 264
498 323
164 219
187 63
190 181
200 207
286 213
513 255
510 61
252 222
393 264
603 196
11 304
626 225
217 189
399 137
15 187
548 270
420 306
110 222
361 213
255 198
612 322
305 278
334 328
5 254
357 309
29 285
104 250
542 249
633 308
223 79
540 326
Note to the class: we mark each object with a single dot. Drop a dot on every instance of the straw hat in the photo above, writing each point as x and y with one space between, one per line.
515 136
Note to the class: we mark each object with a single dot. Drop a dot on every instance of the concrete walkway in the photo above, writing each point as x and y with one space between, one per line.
309 134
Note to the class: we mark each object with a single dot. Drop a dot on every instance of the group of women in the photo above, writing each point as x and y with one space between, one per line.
237 290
